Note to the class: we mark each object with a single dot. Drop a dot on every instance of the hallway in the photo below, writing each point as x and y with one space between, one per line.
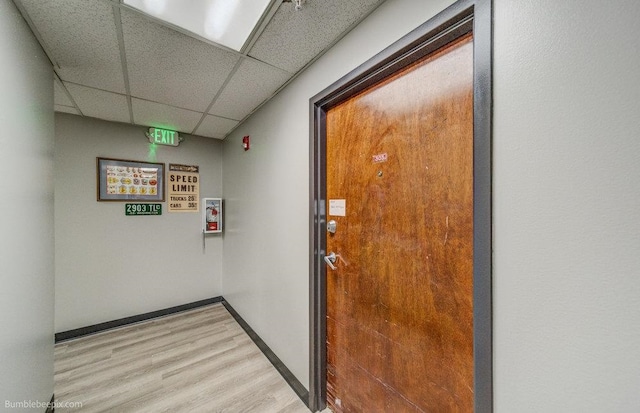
564 209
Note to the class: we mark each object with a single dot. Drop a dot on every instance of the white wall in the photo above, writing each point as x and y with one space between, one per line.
26 214
566 202
567 206
108 265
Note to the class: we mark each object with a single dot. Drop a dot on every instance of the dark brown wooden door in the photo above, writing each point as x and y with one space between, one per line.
400 189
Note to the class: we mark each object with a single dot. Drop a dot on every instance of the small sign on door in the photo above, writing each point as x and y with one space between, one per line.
338 207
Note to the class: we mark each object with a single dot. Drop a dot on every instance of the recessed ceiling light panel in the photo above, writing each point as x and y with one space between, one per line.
226 22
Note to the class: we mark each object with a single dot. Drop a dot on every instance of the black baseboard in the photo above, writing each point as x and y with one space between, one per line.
295 384
51 408
97 328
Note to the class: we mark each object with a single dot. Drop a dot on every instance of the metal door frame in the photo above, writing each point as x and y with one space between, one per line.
462 17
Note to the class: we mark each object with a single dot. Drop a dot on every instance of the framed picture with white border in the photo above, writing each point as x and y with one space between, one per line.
124 180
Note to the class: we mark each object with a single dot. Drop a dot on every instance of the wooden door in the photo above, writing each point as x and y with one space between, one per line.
400 189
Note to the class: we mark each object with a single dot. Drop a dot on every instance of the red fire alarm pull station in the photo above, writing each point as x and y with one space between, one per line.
245 143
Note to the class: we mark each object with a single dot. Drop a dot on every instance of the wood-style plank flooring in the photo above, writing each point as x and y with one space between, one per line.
196 361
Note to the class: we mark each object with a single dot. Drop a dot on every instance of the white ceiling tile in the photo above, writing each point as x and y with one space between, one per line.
60 95
293 38
100 104
215 127
171 67
147 113
251 84
66 109
173 77
81 37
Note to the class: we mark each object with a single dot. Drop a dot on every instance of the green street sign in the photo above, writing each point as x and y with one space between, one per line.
143 209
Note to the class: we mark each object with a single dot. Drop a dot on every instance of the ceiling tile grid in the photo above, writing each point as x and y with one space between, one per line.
295 37
66 109
163 116
81 37
170 67
98 103
114 63
253 83
215 127
60 96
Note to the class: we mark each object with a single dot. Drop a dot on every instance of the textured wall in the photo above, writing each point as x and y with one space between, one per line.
567 206
26 214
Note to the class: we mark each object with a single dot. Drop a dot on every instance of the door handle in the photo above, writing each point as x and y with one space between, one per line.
331 259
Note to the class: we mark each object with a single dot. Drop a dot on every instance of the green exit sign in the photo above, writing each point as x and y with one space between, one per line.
143 209
163 137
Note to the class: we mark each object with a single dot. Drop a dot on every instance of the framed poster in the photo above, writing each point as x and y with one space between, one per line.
212 215
183 188
122 180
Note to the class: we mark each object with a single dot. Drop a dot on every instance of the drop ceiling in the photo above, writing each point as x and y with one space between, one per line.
115 63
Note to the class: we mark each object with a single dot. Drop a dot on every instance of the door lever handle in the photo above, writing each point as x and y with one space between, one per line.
331 259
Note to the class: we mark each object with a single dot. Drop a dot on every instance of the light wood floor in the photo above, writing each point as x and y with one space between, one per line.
196 361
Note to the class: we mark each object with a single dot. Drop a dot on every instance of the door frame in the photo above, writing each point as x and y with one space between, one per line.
462 17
